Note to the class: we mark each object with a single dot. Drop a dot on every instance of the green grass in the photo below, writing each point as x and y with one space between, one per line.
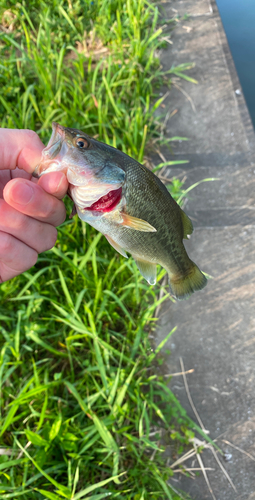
83 403
79 379
49 73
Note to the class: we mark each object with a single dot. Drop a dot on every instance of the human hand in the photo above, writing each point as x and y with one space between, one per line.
30 209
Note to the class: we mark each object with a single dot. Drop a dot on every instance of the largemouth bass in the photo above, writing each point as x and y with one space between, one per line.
127 203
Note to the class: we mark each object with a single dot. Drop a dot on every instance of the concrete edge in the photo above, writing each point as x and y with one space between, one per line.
241 103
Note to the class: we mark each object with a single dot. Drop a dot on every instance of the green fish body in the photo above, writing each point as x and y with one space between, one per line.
127 203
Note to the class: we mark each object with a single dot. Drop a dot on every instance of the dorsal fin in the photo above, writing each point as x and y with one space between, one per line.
187 225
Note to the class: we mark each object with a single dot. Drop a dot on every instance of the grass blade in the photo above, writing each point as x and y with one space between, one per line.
94 486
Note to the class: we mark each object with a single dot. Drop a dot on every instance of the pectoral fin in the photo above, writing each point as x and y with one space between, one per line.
116 246
137 224
148 270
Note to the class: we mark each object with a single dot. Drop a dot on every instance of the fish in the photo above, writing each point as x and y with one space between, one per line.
127 203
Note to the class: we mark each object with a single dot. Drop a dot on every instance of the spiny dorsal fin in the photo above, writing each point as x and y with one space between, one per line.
187 225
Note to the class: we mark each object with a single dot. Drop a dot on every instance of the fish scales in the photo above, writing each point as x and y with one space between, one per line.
147 204
127 203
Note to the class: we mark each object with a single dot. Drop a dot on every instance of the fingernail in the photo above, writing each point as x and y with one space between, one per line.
22 193
60 182
52 182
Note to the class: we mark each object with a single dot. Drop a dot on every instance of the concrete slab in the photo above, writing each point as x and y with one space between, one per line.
229 199
216 337
211 116
215 327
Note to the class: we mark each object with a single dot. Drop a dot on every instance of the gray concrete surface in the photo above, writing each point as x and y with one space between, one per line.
216 327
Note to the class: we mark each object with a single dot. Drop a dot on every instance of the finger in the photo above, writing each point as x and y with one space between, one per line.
38 235
54 183
30 199
15 257
5 176
19 148
18 172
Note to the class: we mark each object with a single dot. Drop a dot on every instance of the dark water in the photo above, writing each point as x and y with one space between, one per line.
238 17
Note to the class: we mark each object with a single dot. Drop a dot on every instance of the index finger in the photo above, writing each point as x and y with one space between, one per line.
19 148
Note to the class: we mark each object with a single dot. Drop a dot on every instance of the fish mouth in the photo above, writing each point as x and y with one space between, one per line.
54 145
106 203
49 161
86 191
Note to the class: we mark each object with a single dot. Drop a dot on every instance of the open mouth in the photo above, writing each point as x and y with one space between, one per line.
107 202
54 145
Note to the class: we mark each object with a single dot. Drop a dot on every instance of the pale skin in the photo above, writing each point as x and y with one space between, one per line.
30 209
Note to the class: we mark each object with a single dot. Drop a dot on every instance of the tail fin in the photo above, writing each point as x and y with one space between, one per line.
182 286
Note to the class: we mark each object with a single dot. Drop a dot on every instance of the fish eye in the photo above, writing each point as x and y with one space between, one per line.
81 143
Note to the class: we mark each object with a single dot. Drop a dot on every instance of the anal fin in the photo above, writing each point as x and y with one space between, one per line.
116 246
148 270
